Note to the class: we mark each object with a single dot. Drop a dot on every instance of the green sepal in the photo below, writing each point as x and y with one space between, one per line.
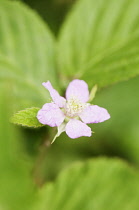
92 93
60 129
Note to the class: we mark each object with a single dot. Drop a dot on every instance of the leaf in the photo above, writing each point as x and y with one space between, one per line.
16 185
100 41
100 184
120 136
24 93
27 53
27 118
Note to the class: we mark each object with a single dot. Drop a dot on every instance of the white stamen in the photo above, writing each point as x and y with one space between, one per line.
74 107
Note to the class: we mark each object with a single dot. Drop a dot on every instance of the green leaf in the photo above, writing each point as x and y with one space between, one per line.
100 41
120 135
27 118
22 90
16 184
99 184
27 53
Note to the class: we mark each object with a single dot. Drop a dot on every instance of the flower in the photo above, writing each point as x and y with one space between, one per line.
72 113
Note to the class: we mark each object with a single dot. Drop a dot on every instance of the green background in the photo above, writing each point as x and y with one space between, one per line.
107 163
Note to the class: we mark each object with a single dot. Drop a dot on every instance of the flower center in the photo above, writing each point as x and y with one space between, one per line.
74 107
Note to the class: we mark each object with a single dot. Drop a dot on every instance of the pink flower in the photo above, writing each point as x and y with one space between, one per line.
73 113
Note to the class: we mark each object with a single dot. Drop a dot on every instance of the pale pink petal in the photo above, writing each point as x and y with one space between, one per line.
51 115
59 100
78 89
94 114
76 129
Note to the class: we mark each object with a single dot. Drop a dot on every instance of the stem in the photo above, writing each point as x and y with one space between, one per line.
38 178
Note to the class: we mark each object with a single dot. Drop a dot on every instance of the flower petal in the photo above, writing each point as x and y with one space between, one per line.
78 89
76 129
94 114
59 100
51 115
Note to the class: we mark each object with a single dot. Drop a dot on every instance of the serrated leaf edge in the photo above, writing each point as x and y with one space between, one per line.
24 125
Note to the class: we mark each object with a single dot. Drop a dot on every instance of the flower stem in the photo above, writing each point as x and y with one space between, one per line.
37 170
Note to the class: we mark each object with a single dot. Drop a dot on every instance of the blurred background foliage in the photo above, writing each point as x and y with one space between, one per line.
118 137
52 11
